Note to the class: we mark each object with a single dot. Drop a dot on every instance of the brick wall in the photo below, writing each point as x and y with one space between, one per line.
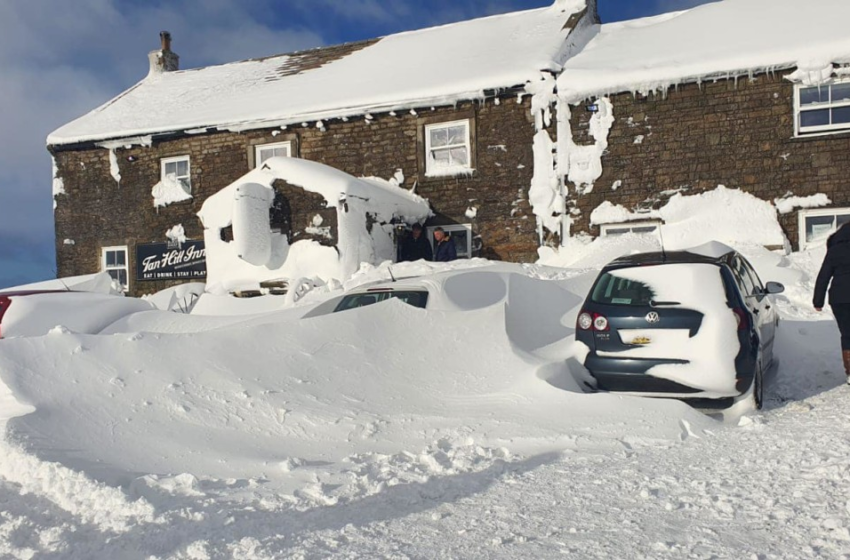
97 212
737 134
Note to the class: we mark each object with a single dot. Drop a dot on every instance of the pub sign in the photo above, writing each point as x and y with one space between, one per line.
170 261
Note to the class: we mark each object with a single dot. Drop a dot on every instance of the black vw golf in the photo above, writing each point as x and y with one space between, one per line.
696 325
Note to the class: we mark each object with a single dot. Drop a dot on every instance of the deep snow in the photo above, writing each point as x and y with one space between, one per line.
397 432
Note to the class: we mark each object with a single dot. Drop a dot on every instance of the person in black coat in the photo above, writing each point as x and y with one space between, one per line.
444 246
835 274
415 246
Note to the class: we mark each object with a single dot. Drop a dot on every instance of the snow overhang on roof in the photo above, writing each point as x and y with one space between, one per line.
429 67
723 39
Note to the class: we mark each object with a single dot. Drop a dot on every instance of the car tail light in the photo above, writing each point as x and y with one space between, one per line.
600 322
4 305
741 318
587 321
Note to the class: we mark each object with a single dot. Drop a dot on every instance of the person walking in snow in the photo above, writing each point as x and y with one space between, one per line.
444 246
835 274
416 246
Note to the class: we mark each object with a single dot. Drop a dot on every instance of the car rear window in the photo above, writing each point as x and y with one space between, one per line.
613 290
352 301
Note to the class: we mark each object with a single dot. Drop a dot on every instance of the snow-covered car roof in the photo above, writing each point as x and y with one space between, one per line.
82 312
435 66
451 290
715 40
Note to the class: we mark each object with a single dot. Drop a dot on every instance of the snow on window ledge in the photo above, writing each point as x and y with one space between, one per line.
789 203
450 172
169 191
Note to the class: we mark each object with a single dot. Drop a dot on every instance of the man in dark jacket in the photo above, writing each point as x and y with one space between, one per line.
444 246
415 246
835 274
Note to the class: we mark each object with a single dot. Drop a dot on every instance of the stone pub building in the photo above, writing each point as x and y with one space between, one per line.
514 127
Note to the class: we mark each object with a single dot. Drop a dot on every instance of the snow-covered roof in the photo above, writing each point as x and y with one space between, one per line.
434 66
730 37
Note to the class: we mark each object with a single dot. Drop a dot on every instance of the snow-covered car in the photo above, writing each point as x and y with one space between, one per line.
454 290
36 312
695 324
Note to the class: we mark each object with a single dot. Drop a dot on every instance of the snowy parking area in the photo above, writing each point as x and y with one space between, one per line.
460 430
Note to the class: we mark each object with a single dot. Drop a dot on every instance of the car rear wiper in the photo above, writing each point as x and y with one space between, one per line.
654 303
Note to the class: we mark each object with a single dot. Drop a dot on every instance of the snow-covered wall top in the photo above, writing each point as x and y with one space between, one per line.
432 66
385 200
734 37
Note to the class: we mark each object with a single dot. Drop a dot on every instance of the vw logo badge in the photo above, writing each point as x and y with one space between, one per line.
652 317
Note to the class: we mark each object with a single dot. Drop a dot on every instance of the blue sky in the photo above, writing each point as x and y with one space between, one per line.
60 66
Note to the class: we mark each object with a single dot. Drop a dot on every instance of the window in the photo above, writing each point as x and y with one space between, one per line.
177 169
640 228
267 151
460 234
414 298
447 149
615 290
114 262
817 225
743 277
823 108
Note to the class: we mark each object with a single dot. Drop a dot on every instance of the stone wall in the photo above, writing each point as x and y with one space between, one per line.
98 212
736 133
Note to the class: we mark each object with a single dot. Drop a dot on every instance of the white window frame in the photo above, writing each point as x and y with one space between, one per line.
176 159
801 224
605 228
259 148
433 171
449 229
799 131
126 267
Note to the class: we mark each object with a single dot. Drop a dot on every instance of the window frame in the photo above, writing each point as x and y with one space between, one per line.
176 159
104 267
431 171
452 228
803 243
799 130
258 148
604 228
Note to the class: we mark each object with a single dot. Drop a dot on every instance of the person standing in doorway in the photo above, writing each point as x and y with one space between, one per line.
444 246
416 246
835 275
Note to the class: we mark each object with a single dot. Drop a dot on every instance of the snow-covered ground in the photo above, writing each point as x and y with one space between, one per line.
458 431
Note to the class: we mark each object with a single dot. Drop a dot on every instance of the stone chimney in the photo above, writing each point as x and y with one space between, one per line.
163 60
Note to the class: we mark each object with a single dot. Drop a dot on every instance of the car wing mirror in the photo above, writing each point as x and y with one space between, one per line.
774 288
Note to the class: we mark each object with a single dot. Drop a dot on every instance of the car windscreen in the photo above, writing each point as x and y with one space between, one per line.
352 301
614 290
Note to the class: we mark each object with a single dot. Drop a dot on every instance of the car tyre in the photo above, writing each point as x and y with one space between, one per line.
758 388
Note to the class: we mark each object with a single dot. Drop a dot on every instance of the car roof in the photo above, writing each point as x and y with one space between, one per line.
668 257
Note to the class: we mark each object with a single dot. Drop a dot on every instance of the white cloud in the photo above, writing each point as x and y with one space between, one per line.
62 59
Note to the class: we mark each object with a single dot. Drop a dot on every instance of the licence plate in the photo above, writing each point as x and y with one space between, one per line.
641 340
